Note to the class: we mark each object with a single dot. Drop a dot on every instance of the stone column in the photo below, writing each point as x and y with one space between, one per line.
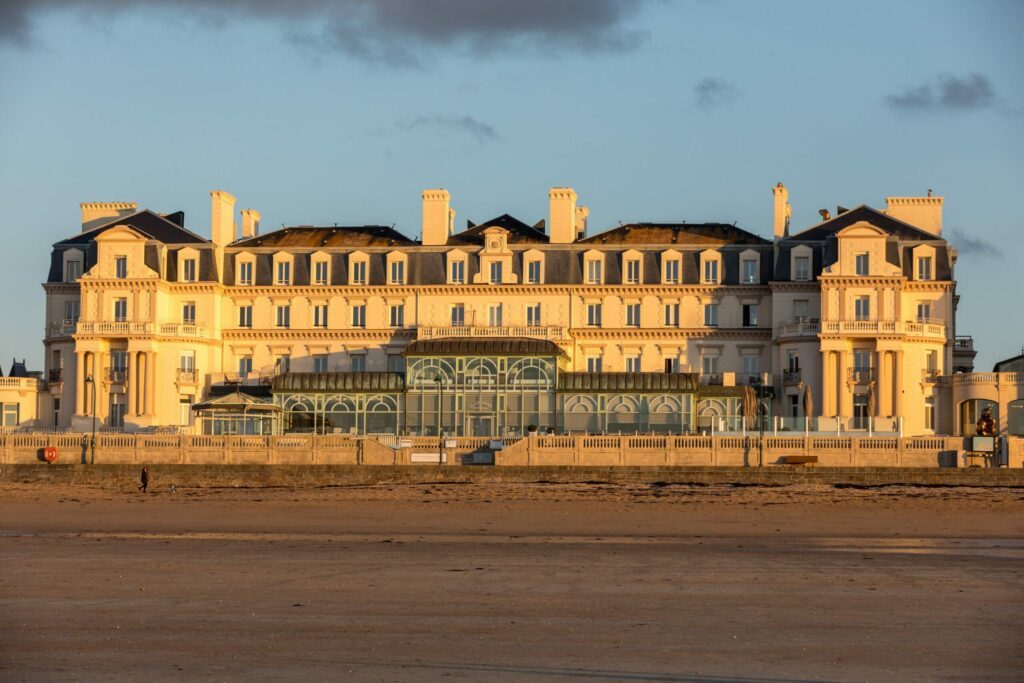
898 384
151 384
80 385
133 382
845 398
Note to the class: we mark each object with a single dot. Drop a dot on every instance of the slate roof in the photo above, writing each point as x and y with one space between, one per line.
519 232
167 229
237 400
483 346
893 226
676 233
627 382
342 382
335 236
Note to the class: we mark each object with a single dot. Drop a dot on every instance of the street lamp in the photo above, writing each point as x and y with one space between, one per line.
440 419
92 444
758 386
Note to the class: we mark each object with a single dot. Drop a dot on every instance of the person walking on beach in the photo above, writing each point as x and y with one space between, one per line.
144 479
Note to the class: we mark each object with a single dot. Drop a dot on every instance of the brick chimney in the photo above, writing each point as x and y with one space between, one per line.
780 224
222 218
438 217
921 212
95 214
250 223
563 216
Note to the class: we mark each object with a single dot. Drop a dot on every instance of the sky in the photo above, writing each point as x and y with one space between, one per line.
343 111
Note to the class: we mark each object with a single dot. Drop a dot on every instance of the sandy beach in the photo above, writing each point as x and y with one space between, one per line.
511 582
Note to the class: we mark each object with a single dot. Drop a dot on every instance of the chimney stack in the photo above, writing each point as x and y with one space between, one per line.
782 211
95 214
438 218
222 218
921 212
250 223
563 215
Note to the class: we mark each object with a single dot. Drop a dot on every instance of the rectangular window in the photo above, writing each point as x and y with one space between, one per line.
863 263
244 366
671 365
861 359
709 365
359 362
396 362
932 360
711 315
71 311
121 267
320 362
793 361
283 364
320 316
924 268
632 315
749 272
751 365
633 363
594 315
533 315
801 309
120 310
187 361
245 273
396 315
284 273
119 360
929 413
188 270
494 315
10 414
284 316
359 272
593 272
188 313
672 272
245 316
593 364
924 312
802 268
458 272
398 272
496 273
711 272
458 315
533 272
633 272
73 271
672 315
359 315
862 308
320 273
749 315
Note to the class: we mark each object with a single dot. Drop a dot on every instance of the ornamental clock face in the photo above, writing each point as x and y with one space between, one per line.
494 244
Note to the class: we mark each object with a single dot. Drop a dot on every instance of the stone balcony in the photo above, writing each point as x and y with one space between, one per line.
871 328
550 332
65 328
129 329
807 327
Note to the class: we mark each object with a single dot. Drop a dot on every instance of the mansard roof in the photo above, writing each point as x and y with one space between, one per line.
168 229
307 236
676 233
518 232
893 226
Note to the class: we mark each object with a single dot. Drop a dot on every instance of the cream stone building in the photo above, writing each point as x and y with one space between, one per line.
846 325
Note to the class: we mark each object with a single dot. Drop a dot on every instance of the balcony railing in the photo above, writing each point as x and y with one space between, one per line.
187 376
711 378
806 327
56 375
182 330
791 377
62 329
875 327
118 375
114 328
861 375
552 332
963 345
930 375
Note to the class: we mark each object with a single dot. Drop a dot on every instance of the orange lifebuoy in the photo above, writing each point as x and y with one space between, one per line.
50 454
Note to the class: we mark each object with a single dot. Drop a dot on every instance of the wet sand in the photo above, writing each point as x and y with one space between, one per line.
514 581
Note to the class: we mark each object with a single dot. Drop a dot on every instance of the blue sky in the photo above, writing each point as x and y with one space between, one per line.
324 111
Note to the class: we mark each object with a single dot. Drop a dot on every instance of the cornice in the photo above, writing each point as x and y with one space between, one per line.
680 333
477 289
237 335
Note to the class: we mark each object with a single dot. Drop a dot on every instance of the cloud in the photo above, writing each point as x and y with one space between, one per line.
395 32
946 93
483 132
974 246
709 93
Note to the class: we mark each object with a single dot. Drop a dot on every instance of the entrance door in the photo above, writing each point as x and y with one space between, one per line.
481 425
117 411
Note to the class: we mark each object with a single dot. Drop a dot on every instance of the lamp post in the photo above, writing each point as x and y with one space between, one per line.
758 386
440 419
92 444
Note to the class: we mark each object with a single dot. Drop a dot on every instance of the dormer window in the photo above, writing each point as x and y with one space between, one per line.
862 263
188 270
458 272
284 273
802 268
359 273
121 267
594 269
320 275
398 272
245 273
924 268
72 271
633 271
748 271
672 272
710 272
496 273
533 272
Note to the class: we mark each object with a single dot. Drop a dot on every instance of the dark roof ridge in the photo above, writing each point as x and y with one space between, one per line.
846 215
